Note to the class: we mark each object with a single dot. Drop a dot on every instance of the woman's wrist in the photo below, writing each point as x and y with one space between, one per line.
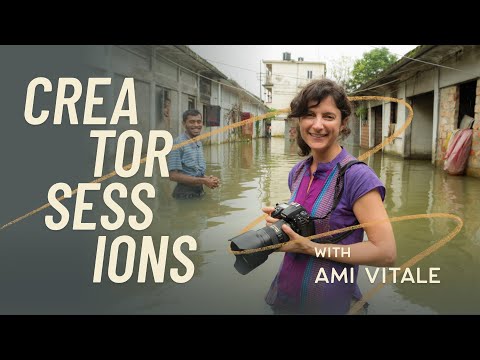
311 246
307 247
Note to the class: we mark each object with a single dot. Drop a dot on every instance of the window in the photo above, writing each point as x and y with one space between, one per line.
393 118
211 115
205 90
309 74
164 106
393 113
268 95
191 103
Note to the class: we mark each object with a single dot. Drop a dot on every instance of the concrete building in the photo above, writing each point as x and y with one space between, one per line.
441 83
284 79
170 79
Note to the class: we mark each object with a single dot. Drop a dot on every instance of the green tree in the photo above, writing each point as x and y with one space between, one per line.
370 65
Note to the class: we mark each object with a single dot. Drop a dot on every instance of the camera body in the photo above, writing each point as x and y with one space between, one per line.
294 215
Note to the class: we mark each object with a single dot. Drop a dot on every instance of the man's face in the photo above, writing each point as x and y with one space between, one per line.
193 125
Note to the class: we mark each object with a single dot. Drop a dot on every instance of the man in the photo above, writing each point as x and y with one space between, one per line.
186 165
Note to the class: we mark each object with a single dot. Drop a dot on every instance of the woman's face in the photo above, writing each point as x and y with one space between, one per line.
321 127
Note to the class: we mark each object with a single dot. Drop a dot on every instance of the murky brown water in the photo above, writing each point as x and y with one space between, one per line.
254 175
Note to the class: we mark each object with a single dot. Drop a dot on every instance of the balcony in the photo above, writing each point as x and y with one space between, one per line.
268 81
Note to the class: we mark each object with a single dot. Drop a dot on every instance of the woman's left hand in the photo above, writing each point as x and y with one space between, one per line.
297 243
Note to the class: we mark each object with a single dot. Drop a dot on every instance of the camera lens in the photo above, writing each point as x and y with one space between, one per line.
266 236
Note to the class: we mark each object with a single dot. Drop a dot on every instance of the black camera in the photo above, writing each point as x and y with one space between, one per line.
294 215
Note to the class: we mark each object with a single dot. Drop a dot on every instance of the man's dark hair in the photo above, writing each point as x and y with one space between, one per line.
190 112
317 91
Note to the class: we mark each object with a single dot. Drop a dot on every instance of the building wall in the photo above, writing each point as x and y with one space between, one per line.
288 78
449 107
129 64
365 131
473 166
291 130
278 127
378 124
449 102
259 127
467 62
228 103
387 109
354 126
419 84
422 124
397 146
446 82
153 76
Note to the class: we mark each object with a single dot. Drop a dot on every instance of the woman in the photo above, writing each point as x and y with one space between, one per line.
323 109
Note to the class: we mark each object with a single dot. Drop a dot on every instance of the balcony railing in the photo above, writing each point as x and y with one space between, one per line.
268 80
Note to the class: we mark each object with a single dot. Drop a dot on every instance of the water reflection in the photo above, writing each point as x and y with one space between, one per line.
254 174
416 187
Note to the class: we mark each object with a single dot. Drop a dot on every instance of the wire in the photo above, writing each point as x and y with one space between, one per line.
238 67
430 63
256 72
212 80
413 59
374 87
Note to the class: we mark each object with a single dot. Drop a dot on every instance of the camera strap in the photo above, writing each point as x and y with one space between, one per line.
340 181
337 195
336 199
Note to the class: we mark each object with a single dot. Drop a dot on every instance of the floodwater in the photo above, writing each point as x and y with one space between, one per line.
253 175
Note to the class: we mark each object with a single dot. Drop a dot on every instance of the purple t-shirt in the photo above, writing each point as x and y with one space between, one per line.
290 284
358 180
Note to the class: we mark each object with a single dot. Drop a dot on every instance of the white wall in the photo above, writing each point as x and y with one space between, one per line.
288 78
420 84
422 124
468 64
278 127
396 147
259 125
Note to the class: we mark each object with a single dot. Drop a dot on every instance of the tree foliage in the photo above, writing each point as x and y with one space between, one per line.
341 70
370 65
269 119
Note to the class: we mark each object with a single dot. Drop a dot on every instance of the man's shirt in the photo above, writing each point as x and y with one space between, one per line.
188 159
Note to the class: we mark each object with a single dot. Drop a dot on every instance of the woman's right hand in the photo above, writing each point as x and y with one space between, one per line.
268 210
